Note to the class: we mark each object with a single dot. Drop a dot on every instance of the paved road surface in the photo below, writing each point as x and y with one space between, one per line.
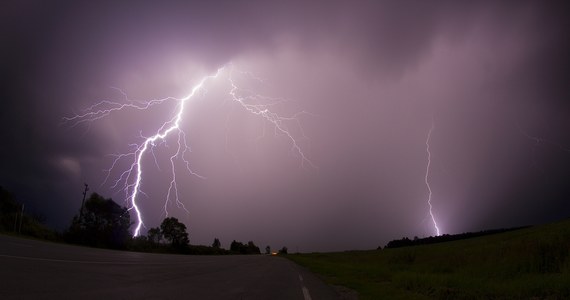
32 269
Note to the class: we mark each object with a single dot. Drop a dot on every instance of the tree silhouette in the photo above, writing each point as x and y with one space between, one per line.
240 248
154 235
236 246
216 244
267 249
174 232
103 223
252 248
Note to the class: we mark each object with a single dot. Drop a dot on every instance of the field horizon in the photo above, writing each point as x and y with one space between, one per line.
528 263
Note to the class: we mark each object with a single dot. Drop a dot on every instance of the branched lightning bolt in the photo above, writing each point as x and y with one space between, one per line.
427 177
273 118
131 179
104 108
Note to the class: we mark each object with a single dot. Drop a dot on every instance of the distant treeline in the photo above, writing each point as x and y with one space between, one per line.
103 223
406 242
249 248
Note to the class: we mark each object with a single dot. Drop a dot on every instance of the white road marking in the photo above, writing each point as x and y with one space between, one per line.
306 293
305 290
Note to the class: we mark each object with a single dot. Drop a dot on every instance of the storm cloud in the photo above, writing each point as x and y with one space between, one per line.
492 76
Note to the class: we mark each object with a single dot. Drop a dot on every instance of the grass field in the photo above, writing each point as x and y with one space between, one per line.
531 263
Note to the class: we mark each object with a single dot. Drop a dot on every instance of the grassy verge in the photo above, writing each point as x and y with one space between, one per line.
532 263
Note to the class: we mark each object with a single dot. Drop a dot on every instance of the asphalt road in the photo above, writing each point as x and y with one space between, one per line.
31 269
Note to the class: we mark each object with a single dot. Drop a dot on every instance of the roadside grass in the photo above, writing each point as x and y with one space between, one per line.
531 263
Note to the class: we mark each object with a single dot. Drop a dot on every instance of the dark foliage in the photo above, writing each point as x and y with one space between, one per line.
176 240
154 235
103 223
205 250
9 210
283 250
216 244
175 232
12 220
240 248
405 242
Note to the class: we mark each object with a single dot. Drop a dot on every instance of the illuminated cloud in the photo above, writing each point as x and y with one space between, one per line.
372 74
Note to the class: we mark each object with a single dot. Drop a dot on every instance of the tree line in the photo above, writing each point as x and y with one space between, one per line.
406 242
102 223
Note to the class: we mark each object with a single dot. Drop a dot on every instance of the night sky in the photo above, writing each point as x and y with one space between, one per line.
492 76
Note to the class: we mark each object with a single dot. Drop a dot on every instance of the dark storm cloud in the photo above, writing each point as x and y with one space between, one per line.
373 72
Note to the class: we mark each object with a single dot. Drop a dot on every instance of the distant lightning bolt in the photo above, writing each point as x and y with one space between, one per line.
427 177
131 179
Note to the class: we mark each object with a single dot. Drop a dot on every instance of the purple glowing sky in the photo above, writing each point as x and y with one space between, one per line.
372 74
